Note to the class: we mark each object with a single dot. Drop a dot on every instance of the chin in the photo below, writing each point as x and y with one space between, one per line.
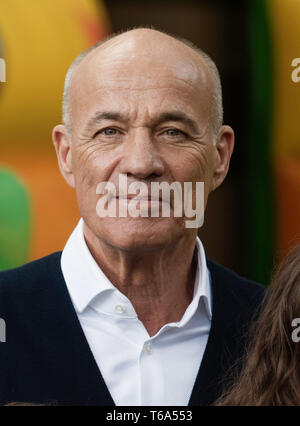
140 233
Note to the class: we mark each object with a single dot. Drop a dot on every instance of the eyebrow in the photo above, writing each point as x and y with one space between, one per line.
177 116
100 116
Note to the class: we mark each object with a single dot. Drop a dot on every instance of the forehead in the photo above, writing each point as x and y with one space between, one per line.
133 73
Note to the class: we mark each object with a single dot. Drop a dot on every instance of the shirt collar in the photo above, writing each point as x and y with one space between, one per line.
87 283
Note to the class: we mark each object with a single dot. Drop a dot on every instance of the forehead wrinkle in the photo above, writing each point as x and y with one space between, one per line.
137 72
113 89
107 93
140 89
141 79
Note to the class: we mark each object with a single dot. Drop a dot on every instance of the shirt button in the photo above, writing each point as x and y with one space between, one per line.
120 309
148 348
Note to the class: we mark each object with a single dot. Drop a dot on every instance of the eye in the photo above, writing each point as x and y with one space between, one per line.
108 131
174 132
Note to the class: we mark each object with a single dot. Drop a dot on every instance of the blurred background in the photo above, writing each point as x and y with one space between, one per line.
253 218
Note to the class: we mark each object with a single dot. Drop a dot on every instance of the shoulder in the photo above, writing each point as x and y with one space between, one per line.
237 290
27 277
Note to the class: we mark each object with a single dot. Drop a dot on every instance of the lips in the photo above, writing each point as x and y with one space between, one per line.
139 198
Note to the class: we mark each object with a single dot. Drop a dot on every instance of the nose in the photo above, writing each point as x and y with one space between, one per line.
141 156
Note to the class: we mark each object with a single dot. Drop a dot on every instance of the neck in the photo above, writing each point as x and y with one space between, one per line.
159 283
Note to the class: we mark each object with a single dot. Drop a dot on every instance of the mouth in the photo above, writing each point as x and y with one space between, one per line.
135 197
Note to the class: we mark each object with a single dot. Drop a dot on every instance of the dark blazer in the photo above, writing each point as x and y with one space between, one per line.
46 357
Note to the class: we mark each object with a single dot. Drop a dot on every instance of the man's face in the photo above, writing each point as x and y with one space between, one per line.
147 117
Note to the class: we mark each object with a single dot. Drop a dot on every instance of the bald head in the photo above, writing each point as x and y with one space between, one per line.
146 51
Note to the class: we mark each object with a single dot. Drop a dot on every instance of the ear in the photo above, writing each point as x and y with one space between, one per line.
63 150
223 150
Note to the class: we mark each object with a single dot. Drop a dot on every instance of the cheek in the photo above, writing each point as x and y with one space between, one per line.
195 165
90 168
88 173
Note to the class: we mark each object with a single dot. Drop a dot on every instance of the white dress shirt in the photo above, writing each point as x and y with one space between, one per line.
137 369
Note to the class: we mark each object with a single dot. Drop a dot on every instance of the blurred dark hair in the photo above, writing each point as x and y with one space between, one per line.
23 404
271 373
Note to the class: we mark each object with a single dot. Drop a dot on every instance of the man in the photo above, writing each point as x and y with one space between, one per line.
131 312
